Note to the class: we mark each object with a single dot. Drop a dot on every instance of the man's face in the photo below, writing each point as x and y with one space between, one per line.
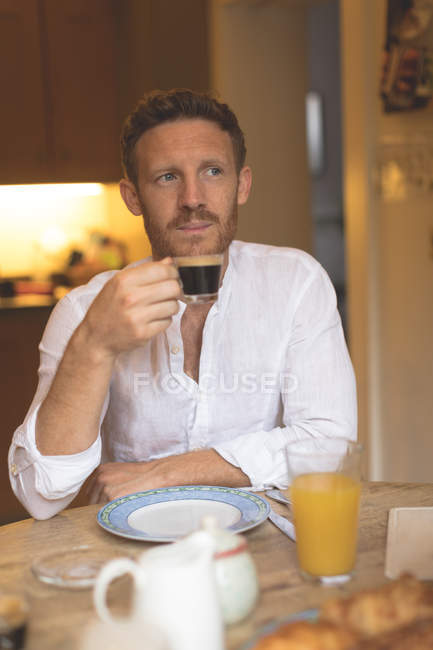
188 188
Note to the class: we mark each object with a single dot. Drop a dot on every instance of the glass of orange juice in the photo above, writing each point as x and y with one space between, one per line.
324 488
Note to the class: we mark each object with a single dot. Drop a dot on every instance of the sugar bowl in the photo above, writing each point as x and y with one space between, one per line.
235 571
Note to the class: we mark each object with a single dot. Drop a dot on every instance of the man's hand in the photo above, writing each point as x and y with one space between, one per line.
133 306
112 480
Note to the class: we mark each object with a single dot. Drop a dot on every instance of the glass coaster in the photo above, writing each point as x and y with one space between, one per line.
74 568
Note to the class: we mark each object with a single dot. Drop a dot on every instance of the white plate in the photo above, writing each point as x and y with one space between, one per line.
167 514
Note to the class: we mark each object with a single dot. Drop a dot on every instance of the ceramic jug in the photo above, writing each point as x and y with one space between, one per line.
174 589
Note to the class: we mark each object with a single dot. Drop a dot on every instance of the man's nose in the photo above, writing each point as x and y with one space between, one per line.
192 195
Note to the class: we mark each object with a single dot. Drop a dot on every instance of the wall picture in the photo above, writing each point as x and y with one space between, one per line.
407 74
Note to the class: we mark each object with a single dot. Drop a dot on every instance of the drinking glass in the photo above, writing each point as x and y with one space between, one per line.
324 487
200 276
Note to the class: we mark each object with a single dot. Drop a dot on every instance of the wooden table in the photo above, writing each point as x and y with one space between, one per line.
58 615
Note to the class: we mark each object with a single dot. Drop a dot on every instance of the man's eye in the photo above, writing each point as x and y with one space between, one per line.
166 177
214 171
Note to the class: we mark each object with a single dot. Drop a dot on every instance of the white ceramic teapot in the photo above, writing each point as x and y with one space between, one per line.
236 576
174 589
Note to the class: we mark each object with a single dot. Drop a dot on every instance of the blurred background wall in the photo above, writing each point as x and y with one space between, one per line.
259 64
388 183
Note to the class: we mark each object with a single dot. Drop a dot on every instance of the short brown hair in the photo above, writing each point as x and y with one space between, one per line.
159 106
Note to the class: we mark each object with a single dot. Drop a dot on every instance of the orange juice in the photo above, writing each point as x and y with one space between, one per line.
325 508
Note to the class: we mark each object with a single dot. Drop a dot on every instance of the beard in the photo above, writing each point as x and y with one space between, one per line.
163 241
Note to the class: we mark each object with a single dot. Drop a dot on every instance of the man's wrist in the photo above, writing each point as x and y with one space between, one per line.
83 345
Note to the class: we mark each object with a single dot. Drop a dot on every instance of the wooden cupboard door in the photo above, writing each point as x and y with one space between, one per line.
20 333
23 132
80 38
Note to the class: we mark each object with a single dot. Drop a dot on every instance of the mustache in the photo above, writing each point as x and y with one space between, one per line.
187 216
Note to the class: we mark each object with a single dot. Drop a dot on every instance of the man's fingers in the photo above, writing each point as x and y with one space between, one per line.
92 490
94 494
119 317
98 492
158 326
158 311
153 293
102 486
95 485
148 273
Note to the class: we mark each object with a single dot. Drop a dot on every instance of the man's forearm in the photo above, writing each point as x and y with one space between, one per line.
68 419
204 467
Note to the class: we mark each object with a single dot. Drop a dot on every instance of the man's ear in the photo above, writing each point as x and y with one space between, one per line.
130 197
245 180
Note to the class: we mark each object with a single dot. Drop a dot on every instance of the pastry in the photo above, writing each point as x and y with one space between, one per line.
396 616
374 611
303 635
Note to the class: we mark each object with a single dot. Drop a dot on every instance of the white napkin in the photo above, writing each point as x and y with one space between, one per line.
409 546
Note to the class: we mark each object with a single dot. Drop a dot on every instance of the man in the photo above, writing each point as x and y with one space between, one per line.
154 393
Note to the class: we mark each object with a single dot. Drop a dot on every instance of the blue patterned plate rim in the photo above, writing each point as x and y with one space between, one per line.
269 628
113 516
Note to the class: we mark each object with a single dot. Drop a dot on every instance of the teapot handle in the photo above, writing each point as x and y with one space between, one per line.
110 572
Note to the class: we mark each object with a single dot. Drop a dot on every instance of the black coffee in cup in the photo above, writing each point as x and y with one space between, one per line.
13 621
200 276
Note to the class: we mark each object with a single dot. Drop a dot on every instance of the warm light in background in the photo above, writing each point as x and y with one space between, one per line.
49 191
41 224
53 239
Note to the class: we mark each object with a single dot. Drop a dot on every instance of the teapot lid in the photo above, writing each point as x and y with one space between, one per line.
227 543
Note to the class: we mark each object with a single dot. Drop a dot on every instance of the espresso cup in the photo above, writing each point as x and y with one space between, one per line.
14 611
200 276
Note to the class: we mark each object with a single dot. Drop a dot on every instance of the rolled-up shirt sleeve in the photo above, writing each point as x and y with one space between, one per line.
318 395
47 484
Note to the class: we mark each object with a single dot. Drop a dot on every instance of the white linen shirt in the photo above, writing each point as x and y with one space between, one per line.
274 367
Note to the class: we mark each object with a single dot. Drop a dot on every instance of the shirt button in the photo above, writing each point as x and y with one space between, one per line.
175 349
14 469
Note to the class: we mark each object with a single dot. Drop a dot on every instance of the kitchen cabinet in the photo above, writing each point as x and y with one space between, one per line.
59 115
22 323
71 70
20 332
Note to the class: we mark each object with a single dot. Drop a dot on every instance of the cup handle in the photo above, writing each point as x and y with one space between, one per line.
110 572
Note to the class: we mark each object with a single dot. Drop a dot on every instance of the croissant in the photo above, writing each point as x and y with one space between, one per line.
303 635
374 611
395 616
